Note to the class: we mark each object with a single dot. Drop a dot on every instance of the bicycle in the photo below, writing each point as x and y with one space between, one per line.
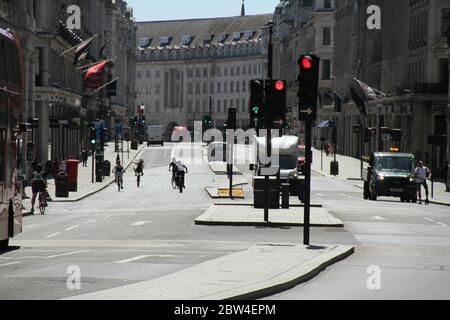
179 182
138 179
42 202
119 180
173 182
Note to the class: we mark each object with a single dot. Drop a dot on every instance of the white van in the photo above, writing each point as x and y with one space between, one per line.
155 135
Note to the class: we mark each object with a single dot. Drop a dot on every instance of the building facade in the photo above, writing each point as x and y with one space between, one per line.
407 59
54 92
304 27
187 69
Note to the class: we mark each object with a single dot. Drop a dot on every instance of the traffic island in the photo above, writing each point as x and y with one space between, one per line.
260 271
241 215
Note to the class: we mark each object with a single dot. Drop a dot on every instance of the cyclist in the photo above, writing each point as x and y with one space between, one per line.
180 171
139 168
37 184
172 166
119 170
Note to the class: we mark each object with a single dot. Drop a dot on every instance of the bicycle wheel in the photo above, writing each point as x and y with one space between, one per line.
138 179
173 182
41 203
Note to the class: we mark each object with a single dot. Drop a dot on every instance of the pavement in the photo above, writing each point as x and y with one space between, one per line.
250 274
235 215
85 186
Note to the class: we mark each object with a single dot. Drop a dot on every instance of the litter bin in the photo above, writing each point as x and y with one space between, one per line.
61 185
334 168
259 193
106 168
72 174
99 167
134 145
301 190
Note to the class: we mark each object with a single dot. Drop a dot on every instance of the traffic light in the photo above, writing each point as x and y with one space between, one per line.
92 135
231 123
369 133
275 103
308 87
207 122
256 103
396 135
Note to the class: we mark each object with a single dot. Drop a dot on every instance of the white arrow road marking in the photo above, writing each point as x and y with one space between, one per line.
72 227
442 224
428 219
66 254
146 256
53 235
9 264
379 218
140 223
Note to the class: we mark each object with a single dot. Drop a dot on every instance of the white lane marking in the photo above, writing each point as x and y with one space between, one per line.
53 235
428 219
442 224
107 217
72 227
90 221
9 264
140 223
66 254
379 218
5 258
132 259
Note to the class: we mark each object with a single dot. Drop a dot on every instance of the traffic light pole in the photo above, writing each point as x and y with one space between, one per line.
268 126
308 161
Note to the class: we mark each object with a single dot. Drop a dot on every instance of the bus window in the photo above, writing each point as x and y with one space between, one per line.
9 65
2 61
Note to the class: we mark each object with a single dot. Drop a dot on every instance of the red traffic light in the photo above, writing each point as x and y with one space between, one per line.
279 85
307 63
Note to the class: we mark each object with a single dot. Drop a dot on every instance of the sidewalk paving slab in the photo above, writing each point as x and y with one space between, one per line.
232 215
260 271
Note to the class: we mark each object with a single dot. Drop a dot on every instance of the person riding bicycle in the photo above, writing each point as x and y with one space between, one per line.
37 184
172 166
139 169
180 171
118 171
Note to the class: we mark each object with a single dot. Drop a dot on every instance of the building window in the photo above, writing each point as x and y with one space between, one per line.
327 4
205 72
218 106
238 86
197 88
232 71
238 71
225 87
326 69
190 73
244 86
149 74
211 87
231 86
190 88
225 105
225 71
197 73
139 75
243 105
205 88
445 21
157 90
219 87
326 40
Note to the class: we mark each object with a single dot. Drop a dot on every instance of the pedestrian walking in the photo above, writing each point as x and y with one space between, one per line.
327 148
84 156
422 174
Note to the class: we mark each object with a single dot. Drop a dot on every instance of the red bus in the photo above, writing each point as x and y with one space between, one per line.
11 114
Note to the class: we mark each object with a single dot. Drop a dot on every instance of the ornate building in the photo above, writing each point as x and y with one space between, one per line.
187 69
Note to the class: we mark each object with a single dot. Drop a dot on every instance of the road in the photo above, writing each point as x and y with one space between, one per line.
114 238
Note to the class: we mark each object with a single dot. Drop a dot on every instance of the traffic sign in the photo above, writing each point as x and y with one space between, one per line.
308 81
386 137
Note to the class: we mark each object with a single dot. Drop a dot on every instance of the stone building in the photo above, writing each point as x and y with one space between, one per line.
54 91
304 27
407 59
187 69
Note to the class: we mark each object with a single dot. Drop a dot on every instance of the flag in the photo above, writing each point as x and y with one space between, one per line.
362 93
93 77
82 50
102 50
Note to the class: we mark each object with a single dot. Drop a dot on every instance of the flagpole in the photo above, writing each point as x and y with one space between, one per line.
74 48
98 89
92 64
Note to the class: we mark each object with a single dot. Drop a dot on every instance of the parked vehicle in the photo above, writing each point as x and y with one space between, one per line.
155 134
390 174
301 158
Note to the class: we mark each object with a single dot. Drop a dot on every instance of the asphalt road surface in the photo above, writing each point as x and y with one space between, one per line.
114 238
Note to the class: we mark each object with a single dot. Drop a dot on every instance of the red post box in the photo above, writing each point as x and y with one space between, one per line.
72 174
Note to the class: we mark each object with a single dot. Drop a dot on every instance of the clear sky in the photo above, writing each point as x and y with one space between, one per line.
152 10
